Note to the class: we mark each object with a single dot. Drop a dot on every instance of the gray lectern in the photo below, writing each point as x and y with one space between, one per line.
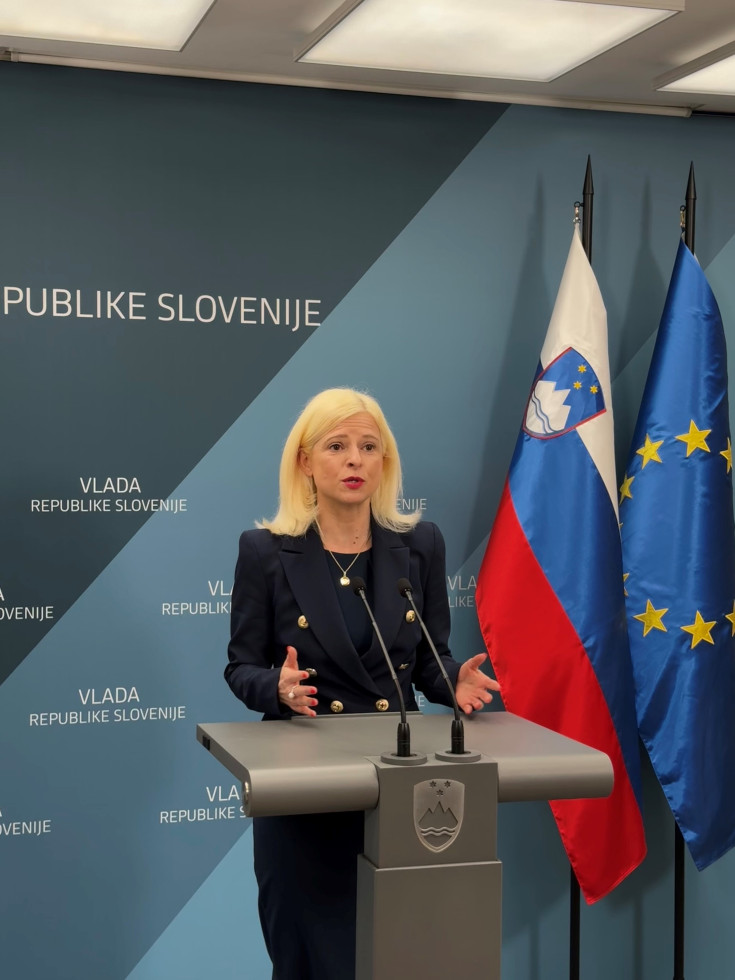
430 876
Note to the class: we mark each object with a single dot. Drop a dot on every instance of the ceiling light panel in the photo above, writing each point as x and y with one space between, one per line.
162 24
713 74
531 40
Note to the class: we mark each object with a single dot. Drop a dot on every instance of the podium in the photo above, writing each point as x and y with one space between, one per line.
429 882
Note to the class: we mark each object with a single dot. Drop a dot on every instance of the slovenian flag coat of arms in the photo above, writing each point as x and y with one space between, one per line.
550 596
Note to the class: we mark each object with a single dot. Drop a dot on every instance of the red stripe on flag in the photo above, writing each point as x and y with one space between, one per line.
546 677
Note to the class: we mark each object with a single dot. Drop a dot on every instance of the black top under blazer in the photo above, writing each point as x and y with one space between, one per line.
283 596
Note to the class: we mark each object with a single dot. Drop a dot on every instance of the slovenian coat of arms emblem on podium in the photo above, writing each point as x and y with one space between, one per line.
438 809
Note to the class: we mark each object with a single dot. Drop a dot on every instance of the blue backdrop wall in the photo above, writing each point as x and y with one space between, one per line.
183 264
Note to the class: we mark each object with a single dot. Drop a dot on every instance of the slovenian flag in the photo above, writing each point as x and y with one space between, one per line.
679 553
550 597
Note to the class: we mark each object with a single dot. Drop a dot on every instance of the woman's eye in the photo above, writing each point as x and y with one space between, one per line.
369 447
334 445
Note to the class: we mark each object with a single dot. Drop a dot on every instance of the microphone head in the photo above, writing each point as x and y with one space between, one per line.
404 587
358 585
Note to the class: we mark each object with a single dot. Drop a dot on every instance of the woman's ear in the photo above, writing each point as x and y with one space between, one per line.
303 461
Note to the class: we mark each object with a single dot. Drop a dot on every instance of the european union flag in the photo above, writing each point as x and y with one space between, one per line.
676 508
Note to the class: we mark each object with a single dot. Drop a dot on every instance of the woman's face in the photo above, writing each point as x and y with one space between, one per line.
346 464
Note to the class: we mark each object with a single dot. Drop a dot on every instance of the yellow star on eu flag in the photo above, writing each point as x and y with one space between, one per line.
731 617
649 451
651 618
695 438
625 488
727 453
700 630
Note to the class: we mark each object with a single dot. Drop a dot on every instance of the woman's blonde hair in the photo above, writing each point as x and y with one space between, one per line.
297 505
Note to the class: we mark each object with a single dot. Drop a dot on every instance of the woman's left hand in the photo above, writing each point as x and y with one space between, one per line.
473 687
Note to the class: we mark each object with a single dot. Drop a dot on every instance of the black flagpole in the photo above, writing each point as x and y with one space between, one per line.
678 904
588 192
574 921
688 215
689 211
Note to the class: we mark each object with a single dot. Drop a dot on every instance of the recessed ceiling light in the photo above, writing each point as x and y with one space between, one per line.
532 40
163 24
712 74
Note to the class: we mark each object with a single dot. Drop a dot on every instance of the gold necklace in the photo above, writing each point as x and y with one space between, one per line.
344 578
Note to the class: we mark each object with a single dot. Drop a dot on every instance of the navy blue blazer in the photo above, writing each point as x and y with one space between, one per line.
283 596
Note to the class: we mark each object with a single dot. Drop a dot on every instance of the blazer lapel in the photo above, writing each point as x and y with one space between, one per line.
391 561
308 576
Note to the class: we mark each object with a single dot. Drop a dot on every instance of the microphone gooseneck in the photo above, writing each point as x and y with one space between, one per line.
404 588
403 743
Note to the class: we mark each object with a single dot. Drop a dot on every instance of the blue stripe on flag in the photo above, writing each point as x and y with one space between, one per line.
573 531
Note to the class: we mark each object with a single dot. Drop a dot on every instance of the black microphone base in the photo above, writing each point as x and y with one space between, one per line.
393 759
467 756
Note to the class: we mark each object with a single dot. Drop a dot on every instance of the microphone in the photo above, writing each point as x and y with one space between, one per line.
403 743
404 587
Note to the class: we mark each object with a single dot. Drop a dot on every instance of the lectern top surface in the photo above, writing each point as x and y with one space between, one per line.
533 762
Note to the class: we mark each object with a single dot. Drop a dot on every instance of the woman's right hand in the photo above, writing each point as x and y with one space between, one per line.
291 692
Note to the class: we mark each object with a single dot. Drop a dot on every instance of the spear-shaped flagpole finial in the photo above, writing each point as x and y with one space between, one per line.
690 210
588 193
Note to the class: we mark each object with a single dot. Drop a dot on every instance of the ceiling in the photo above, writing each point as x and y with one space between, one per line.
255 41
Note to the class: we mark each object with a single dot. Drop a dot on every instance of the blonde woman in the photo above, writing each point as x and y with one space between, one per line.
302 643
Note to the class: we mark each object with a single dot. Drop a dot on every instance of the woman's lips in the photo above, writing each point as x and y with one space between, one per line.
353 481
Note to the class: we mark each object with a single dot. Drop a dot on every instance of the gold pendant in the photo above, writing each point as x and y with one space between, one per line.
344 580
